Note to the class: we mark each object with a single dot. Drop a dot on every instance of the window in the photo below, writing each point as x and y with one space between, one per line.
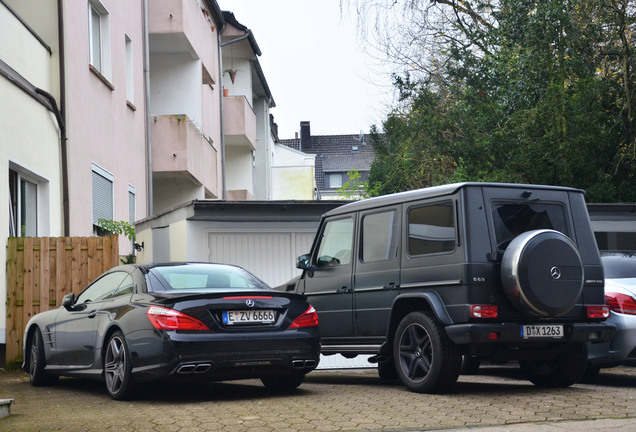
431 229
335 180
102 289
335 246
102 194
131 204
99 38
514 218
379 236
23 206
130 89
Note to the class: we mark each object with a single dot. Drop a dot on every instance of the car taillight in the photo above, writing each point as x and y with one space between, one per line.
621 303
597 311
309 318
169 319
484 311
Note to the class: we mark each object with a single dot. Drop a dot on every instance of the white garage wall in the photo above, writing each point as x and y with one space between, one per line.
270 255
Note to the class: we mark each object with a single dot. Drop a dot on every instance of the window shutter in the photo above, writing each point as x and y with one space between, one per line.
102 198
131 207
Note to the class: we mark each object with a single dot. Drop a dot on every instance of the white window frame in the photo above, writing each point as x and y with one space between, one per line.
331 176
130 76
99 38
37 214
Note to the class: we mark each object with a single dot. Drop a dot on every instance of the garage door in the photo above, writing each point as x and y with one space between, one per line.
269 255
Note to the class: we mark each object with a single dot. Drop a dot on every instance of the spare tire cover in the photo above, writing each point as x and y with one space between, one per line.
542 273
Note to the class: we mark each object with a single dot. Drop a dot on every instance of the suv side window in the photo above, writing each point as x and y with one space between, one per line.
379 236
431 229
335 246
514 218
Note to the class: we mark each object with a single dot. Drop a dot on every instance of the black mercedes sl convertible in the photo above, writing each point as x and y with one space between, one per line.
144 322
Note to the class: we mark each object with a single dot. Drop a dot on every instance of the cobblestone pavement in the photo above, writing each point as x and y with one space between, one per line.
343 400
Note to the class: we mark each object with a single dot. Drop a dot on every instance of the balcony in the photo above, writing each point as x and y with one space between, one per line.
239 122
182 155
180 26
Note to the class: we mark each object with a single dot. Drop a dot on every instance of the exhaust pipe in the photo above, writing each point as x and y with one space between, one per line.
304 364
194 368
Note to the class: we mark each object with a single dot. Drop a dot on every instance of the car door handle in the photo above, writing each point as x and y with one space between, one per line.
391 286
344 289
92 314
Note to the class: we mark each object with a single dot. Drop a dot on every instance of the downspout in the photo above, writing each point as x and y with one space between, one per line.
224 184
148 132
62 119
221 45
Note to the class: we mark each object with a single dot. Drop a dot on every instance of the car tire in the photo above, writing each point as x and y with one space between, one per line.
542 273
426 360
37 362
566 369
387 371
283 383
118 368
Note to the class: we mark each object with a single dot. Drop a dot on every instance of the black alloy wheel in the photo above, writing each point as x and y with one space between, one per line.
118 368
426 360
37 362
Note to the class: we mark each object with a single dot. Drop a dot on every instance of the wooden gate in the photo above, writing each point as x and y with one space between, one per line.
41 270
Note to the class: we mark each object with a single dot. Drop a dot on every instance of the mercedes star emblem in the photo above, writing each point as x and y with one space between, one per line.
555 272
249 303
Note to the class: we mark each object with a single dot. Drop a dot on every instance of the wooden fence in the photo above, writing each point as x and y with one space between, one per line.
41 270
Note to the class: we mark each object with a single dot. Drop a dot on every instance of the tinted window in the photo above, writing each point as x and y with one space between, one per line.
203 277
126 287
335 245
379 236
102 289
512 219
431 229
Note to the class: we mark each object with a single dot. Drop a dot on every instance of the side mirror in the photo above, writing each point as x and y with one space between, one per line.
68 300
302 262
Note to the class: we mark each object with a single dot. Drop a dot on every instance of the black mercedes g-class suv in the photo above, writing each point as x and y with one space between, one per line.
487 271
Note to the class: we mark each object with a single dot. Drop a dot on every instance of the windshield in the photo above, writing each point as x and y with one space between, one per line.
203 277
514 218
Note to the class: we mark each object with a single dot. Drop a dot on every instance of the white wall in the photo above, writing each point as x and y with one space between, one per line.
239 168
29 141
176 86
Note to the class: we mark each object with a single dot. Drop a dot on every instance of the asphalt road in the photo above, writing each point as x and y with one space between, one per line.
497 399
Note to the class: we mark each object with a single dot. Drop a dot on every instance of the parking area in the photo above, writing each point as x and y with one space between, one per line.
329 400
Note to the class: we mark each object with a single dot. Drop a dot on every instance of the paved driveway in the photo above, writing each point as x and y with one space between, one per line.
327 401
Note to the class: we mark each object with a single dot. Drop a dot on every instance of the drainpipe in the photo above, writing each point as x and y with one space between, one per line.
148 133
247 34
62 117
223 185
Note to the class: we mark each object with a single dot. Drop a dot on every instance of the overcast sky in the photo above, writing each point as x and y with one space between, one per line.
314 65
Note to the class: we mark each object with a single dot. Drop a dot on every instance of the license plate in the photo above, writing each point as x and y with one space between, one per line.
552 331
257 316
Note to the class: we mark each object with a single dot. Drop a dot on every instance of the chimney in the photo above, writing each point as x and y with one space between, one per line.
305 136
